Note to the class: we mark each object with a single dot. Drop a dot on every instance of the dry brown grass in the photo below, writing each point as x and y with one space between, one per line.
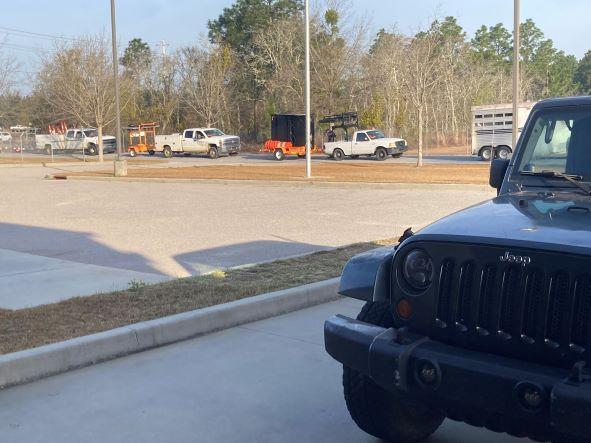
28 328
323 172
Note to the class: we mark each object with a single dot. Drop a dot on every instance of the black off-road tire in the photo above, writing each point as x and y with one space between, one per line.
381 154
92 150
338 154
167 152
381 413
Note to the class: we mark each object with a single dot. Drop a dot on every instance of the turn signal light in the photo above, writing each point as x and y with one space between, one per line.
404 309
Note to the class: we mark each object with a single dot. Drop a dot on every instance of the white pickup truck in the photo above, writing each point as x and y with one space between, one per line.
210 141
84 139
369 143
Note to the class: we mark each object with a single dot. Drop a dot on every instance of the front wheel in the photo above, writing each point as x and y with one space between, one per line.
387 415
92 150
381 154
213 153
279 155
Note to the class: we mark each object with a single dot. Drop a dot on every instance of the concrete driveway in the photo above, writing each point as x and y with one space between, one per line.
268 381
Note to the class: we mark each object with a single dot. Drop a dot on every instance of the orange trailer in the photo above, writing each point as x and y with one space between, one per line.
288 136
142 138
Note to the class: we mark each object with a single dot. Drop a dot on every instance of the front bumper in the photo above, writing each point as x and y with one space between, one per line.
397 150
466 382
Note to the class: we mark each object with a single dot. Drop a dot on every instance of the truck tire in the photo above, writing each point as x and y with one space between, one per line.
381 413
381 154
502 152
213 152
167 152
485 153
338 154
92 150
279 155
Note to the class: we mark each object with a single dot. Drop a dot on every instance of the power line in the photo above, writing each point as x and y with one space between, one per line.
38 34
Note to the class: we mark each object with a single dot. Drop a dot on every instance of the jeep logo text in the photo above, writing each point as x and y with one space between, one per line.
524 260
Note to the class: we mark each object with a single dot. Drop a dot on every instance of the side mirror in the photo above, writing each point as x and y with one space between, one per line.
498 169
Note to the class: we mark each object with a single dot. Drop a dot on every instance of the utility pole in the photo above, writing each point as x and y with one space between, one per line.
120 166
163 44
308 107
516 61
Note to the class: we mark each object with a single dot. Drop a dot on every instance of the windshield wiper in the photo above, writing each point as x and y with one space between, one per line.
574 179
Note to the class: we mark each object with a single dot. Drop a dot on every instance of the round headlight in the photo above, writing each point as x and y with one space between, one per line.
418 269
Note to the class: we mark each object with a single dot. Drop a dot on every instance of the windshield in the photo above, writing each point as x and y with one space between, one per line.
375 134
91 133
560 141
213 132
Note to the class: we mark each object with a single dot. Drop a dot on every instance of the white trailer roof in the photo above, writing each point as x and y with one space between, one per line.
526 105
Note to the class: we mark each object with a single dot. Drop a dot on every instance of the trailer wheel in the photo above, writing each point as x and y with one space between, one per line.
279 154
151 152
381 154
167 152
213 153
486 153
338 154
503 152
132 153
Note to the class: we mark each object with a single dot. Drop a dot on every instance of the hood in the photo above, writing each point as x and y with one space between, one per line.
559 222
226 137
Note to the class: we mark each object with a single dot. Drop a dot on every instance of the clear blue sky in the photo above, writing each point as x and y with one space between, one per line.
180 22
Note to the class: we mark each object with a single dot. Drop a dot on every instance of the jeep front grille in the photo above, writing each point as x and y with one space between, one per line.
529 307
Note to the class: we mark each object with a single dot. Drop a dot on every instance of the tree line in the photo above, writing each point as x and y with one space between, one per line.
419 86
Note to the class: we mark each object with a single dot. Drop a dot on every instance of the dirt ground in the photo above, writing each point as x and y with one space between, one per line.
323 172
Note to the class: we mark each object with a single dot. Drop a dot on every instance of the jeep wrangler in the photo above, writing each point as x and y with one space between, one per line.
484 316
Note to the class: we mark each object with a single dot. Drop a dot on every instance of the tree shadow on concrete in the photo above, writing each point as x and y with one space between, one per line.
79 247
207 260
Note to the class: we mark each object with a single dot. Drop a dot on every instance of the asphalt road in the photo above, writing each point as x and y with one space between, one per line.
157 230
268 381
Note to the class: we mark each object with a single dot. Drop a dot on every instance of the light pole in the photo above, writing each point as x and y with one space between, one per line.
516 61
308 107
120 168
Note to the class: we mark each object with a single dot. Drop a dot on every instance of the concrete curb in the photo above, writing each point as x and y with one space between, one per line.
291 183
32 364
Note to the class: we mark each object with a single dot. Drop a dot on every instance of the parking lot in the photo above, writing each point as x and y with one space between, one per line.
82 237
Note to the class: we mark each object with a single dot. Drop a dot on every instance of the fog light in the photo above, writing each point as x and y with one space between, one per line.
428 373
532 397
404 309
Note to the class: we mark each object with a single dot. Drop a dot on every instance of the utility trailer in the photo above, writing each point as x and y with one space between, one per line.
492 129
288 136
142 138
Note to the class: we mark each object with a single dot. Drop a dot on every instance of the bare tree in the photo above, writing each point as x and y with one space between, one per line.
204 75
77 81
422 74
